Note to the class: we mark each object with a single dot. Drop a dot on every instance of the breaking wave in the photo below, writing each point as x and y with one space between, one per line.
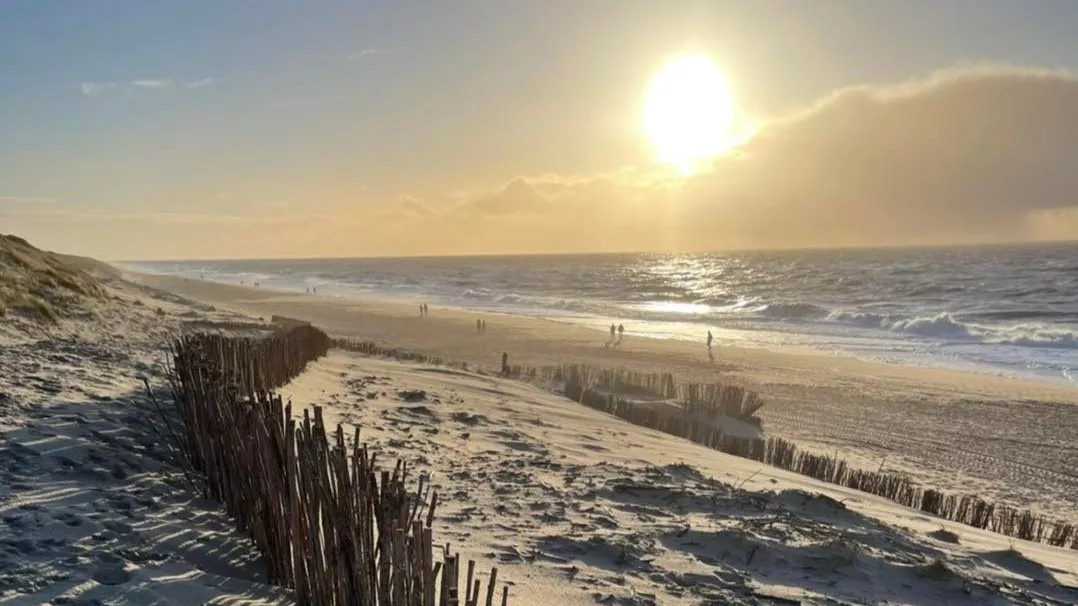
946 326
793 311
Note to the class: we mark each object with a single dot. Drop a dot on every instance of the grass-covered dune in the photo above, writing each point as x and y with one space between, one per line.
39 284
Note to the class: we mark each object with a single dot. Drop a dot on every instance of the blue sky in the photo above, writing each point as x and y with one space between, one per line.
235 107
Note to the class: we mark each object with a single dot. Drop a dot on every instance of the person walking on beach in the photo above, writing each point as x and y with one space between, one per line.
613 336
709 339
621 332
478 325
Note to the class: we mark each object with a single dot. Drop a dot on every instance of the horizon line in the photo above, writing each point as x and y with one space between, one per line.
884 247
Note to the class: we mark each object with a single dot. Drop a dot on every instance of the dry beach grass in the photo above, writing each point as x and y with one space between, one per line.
39 284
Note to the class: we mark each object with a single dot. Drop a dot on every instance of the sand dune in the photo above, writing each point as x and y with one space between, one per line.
39 285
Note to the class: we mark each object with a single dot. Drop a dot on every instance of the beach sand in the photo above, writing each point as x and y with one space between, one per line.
572 506
1005 439
94 508
575 507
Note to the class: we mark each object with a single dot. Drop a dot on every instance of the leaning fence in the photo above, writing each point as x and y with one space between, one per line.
330 524
612 390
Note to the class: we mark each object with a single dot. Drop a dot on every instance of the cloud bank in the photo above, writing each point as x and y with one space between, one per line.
968 155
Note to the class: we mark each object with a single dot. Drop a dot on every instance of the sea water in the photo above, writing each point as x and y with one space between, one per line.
1004 310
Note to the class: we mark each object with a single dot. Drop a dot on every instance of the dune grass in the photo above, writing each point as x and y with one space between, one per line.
40 285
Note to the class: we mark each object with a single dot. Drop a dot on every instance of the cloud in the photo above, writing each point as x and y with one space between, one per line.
203 83
967 155
962 155
414 206
365 53
92 89
159 84
517 197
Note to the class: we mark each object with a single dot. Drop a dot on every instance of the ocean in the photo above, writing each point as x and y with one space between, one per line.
1002 310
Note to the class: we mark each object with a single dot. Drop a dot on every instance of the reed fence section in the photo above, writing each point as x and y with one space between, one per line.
593 389
612 391
329 524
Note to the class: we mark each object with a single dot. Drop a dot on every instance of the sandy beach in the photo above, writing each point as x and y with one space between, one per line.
1010 440
575 507
94 506
572 505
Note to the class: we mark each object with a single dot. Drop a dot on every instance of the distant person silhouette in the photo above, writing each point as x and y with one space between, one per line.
478 325
621 331
710 338
613 337
483 325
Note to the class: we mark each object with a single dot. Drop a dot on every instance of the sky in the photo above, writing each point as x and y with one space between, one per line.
273 128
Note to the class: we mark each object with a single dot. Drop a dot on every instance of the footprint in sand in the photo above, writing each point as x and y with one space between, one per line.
110 569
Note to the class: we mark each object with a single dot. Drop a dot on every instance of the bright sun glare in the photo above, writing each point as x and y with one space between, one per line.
689 113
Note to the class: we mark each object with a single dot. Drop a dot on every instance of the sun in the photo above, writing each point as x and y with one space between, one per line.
689 113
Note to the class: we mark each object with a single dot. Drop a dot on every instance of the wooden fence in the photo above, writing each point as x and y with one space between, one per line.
370 348
329 524
590 388
605 389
